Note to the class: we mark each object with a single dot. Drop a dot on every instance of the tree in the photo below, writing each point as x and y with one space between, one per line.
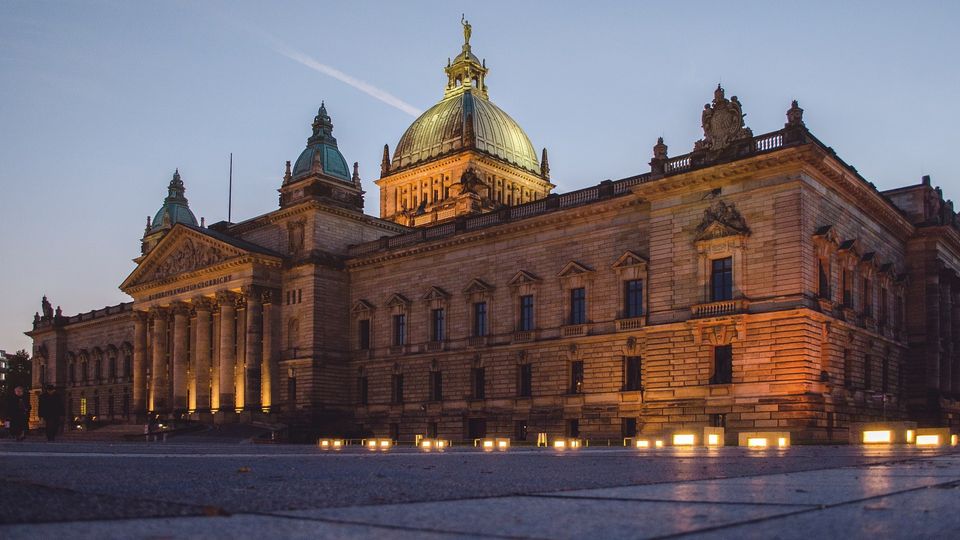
20 370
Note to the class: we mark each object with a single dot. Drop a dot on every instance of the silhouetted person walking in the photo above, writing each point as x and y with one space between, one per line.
51 410
18 409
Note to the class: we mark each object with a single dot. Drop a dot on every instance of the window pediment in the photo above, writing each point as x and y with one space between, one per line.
573 268
361 307
721 220
523 278
398 300
629 259
476 286
435 293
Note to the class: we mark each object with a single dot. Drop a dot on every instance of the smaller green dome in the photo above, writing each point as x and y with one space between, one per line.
175 208
321 156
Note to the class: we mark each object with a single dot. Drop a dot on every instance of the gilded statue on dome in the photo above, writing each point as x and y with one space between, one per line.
467 29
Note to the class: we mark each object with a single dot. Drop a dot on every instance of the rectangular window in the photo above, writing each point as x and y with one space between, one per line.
846 281
573 427
363 332
867 298
400 329
576 377
847 369
479 319
526 313
721 279
632 375
885 376
437 324
362 390
722 365
823 272
898 313
525 386
478 376
868 372
633 298
884 307
520 430
628 427
292 391
578 305
395 431
432 430
396 388
436 386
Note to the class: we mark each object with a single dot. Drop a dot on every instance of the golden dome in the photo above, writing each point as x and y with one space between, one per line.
465 119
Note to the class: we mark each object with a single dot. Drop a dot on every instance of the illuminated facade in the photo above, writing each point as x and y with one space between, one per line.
757 283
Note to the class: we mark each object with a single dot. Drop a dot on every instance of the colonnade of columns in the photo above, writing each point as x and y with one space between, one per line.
208 354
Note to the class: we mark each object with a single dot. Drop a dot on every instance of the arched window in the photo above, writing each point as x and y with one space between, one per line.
84 374
112 373
96 403
127 370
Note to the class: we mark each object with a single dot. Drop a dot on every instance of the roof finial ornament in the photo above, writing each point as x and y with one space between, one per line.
287 175
660 149
385 163
544 165
794 115
467 30
356 173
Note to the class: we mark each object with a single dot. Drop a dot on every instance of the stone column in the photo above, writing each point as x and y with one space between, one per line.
181 336
139 363
955 387
269 365
228 346
946 332
253 349
158 372
200 383
215 358
239 382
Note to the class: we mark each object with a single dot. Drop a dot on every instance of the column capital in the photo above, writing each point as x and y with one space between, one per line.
140 316
203 303
157 312
180 308
226 297
268 296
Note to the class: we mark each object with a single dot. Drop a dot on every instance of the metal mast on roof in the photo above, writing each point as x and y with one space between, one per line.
230 192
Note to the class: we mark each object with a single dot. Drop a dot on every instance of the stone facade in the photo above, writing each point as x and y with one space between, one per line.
755 283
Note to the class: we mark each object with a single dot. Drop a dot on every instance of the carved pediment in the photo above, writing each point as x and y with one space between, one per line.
573 268
629 259
522 278
436 293
361 306
721 220
398 300
183 250
850 248
477 285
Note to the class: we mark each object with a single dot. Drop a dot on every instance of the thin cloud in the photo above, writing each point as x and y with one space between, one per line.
363 86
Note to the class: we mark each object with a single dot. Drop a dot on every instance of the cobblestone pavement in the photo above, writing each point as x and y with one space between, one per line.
180 490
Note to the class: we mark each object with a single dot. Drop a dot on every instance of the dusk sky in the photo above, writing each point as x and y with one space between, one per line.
100 101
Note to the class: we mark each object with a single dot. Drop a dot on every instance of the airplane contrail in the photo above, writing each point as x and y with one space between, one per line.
363 86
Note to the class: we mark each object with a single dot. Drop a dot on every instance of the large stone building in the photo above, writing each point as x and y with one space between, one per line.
757 282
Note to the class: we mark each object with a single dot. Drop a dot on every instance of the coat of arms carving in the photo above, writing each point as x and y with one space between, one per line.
722 123
721 220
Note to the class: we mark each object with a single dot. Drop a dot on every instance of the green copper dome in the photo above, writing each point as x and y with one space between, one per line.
175 208
321 156
465 119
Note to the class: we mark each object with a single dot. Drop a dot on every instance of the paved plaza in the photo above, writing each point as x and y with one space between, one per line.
215 490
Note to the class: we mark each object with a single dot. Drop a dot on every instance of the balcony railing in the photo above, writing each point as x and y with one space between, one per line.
521 336
719 309
434 346
630 324
574 330
477 341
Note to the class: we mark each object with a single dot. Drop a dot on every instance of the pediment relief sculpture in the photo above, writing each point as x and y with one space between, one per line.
190 255
721 220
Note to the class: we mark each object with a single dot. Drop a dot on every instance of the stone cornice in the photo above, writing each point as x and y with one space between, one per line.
306 206
520 225
235 262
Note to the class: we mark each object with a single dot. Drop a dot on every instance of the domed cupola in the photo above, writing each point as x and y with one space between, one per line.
321 172
175 208
464 132
321 156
